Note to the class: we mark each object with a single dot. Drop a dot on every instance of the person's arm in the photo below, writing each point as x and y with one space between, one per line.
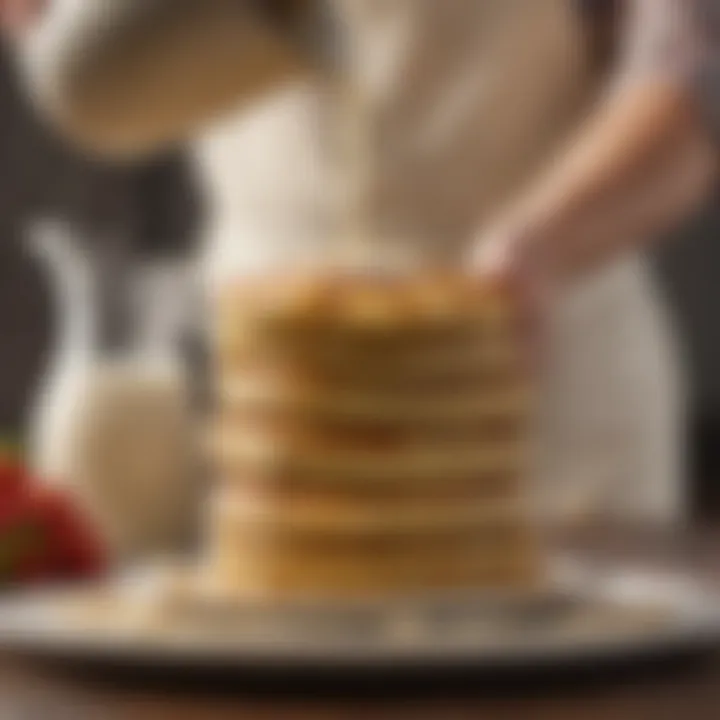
124 77
641 163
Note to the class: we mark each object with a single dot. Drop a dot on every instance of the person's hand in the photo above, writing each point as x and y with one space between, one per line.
17 15
512 256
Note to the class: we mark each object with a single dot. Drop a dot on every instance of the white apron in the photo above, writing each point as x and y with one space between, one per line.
466 101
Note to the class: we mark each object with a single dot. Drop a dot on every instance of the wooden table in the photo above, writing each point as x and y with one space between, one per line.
683 693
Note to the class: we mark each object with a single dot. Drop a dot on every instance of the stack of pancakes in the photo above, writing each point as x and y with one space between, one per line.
370 439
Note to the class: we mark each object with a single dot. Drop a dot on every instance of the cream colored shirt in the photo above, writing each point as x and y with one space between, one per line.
464 102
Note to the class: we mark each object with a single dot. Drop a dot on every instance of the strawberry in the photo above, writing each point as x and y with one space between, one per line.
76 549
12 473
43 537
21 540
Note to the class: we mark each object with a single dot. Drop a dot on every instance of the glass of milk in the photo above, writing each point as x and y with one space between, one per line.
113 424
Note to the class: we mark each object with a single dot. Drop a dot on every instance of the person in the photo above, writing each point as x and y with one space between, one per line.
496 142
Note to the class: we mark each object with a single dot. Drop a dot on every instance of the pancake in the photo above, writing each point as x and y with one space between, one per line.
434 368
286 488
245 453
370 439
419 407
289 575
307 516
317 433
384 306
423 354
259 378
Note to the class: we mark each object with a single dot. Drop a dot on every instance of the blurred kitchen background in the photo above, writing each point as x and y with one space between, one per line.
134 213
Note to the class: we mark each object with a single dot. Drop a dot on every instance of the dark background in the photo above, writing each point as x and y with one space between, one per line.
151 210
126 213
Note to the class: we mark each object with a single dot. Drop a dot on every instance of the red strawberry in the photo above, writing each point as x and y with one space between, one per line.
22 545
74 547
44 537
12 473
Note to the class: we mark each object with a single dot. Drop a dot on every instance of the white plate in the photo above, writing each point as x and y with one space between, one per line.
605 614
